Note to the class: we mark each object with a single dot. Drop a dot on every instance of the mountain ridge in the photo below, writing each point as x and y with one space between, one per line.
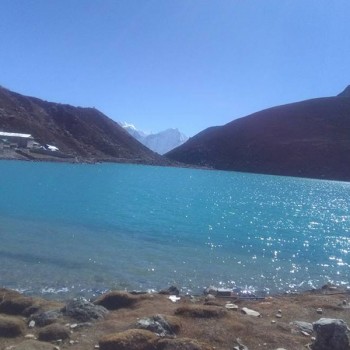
305 139
84 133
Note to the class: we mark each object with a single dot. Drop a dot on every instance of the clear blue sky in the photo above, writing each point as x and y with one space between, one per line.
189 64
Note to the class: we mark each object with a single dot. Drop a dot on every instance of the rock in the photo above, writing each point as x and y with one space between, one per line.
53 332
250 312
210 297
174 298
181 344
84 311
231 306
11 326
32 309
199 311
302 326
219 292
45 318
135 339
116 300
31 324
29 336
240 345
159 325
172 290
210 290
329 286
34 345
330 335
319 310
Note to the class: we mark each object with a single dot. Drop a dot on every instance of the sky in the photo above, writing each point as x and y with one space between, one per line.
186 64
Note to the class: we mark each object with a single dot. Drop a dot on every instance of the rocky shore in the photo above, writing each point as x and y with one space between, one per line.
120 320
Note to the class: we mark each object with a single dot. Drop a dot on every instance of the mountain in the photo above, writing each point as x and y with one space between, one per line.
131 129
161 142
308 139
83 134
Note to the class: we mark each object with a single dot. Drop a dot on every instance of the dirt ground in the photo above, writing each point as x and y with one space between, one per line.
206 320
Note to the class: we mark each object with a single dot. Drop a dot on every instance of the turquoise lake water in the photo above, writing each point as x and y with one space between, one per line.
69 230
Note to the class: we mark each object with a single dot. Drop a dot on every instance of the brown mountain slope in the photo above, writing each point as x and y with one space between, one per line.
308 139
85 133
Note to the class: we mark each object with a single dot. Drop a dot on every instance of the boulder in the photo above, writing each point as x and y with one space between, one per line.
53 332
84 311
240 345
302 326
116 300
45 318
159 324
172 290
135 339
181 344
330 335
250 312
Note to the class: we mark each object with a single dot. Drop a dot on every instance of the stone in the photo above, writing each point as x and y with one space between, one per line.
45 318
29 336
330 334
231 306
181 344
53 332
319 310
159 324
240 345
302 326
172 290
11 327
250 312
116 300
174 298
34 345
31 324
135 339
210 297
84 311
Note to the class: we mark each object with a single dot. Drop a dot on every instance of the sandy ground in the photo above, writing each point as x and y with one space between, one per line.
217 328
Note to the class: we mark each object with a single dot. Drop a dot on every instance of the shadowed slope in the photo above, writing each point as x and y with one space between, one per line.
308 139
85 133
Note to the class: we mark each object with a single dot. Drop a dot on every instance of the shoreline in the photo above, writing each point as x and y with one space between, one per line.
205 322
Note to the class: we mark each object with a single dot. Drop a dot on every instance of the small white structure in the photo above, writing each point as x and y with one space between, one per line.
17 139
52 148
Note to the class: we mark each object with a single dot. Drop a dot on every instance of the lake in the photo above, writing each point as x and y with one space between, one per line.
79 229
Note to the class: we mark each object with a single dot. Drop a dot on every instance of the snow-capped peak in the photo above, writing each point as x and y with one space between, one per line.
161 142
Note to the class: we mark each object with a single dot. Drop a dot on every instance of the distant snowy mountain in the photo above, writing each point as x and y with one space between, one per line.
137 134
161 142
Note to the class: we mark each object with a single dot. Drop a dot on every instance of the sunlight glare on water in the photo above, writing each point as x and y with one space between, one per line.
81 229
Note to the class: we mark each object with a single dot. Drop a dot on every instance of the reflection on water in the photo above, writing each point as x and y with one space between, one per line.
81 229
